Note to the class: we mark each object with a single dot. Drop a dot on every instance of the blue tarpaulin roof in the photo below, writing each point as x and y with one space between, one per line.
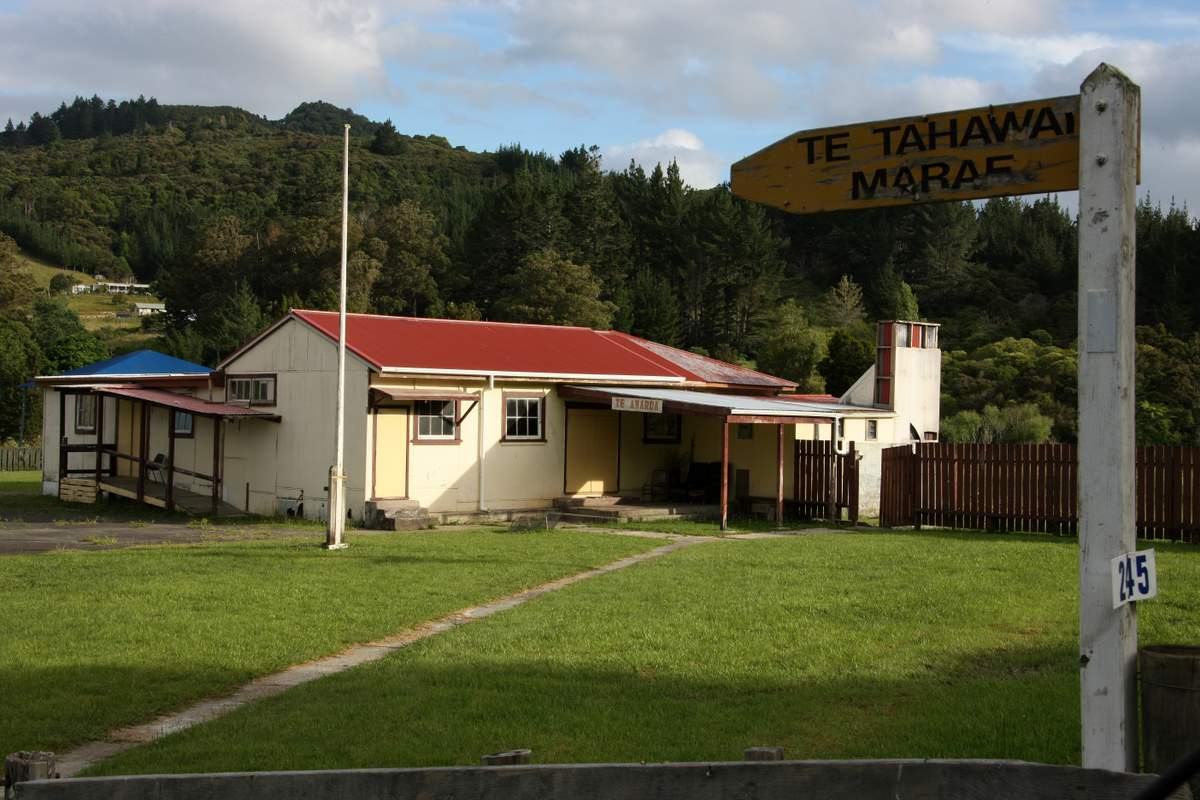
140 362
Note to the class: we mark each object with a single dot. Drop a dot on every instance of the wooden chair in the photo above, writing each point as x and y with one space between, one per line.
659 487
158 467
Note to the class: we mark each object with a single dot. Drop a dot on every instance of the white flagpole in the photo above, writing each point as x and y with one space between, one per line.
337 476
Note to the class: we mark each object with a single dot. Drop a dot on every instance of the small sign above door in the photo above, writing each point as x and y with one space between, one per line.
641 404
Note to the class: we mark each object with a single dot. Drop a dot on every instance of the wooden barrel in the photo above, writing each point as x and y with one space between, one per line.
1170 682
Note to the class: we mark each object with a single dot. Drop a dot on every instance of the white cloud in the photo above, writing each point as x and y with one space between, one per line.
847 100
1034 52
697 166
1171 171
1167 73
485 95
753 53
267 55
1000 16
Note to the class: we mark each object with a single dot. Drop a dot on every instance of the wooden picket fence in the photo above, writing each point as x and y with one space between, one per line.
20 458
1030 488
826 483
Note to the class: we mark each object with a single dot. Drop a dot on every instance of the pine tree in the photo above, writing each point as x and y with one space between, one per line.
847 358
413 256
655 309
552 290
843 306
893 298
386 141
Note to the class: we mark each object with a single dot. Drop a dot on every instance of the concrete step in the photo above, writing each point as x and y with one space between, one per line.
407 523
396 515
393 505
632 511
604 501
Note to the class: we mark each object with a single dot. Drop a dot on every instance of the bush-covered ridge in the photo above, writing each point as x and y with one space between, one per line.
235 218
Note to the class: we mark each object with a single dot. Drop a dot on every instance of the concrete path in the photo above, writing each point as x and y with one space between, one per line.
40 537
117 741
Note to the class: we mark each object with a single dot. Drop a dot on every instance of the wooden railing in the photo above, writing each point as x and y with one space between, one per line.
100 470
1030 488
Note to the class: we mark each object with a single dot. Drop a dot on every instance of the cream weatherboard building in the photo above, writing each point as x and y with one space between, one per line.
456 419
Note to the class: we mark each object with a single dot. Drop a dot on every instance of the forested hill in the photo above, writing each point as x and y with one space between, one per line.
234 218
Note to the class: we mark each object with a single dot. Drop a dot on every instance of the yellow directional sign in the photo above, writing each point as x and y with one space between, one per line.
1020 148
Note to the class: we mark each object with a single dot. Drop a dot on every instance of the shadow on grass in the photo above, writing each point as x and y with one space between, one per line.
313 549
20 507
1017 703
57 707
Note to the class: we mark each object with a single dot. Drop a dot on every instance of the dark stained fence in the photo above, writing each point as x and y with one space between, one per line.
20 458
896 485
1030 488
826 483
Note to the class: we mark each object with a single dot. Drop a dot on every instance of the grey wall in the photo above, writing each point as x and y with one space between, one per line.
829 780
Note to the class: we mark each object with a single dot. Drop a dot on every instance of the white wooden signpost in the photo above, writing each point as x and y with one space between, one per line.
1110 113
1089 142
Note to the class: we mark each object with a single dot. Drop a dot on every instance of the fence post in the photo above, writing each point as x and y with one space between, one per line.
1174 477
796 476
27 765
915 491
852 486
831 482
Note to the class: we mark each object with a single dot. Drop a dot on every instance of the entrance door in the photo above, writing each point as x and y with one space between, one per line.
591 451
391 453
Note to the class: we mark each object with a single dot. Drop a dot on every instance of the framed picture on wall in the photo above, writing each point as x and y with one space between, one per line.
660 428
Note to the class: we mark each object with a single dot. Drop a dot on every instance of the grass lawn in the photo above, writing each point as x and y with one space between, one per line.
43 271
96 640
842 645
26 481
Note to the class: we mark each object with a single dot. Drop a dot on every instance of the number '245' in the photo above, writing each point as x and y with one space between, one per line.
1134 576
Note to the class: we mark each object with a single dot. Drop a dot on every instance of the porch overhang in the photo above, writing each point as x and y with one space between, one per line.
733 408
181 402
68 382
383 392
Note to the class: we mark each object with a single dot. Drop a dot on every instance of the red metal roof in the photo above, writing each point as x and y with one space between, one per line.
697 367
504 348
182 402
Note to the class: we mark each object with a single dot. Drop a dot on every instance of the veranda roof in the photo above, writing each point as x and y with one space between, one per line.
182 402
689 401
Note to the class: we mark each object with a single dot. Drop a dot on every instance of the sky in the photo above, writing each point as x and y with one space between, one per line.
704 82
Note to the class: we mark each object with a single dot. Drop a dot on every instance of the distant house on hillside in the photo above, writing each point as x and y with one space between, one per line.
148 309
108 287
458 419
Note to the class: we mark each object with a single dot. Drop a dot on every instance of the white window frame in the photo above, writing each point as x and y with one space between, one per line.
183 430
538 415
872 429
252 390
232 390
424 410
82 402
267 385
